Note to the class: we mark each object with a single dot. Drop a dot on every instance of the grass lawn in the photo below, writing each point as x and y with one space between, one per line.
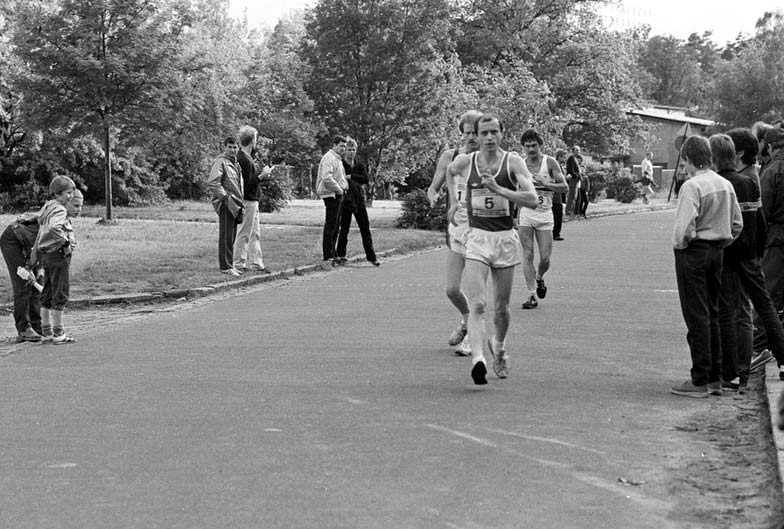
172 247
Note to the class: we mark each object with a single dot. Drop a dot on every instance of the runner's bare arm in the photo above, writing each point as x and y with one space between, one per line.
525 196
456 167
560 185
439 176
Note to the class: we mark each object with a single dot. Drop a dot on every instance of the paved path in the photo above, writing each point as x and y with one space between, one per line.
332 402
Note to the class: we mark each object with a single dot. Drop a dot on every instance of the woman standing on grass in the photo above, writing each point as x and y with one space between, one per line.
354 204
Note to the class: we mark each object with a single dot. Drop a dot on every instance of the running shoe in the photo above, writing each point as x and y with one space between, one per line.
531 303
541 288
479 373
500 366
464 349
458 335
758 361
688 389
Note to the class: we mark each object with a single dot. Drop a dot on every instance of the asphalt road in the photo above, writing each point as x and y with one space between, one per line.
333 401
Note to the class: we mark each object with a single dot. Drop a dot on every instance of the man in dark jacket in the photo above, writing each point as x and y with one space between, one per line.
16 242
741 272
247 244
573 176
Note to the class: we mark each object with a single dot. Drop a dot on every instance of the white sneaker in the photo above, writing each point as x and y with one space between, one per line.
231 272
464 349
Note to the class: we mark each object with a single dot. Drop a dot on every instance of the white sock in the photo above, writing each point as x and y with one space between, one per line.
499 346
476 358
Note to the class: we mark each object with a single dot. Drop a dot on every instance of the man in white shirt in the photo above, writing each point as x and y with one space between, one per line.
330 185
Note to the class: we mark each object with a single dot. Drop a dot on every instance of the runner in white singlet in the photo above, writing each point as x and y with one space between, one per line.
455 260
537 223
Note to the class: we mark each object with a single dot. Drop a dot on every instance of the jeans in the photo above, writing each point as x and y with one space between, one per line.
364 229
227 231
331 221
27 300
736 328
698 273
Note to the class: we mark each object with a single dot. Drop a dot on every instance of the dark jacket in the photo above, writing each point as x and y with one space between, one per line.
354 198
573 170
772 192
750 242
250 177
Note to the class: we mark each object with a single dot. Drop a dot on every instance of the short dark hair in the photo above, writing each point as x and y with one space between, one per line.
484 118
338 139
531 135
229 139
722 152
745 141
697 150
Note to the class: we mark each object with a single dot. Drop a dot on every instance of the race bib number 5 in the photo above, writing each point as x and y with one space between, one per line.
485 203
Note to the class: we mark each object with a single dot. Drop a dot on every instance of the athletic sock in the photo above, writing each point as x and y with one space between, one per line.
499 346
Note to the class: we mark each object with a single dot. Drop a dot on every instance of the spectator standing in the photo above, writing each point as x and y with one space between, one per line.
558 199
16 243
354 204
741 276
247 245
54 246
331 184
707 219
772 193
581 204
225 185
573 175
647 177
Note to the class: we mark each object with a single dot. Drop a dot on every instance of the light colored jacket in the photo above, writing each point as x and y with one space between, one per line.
331 180
225 184
708 210
56 231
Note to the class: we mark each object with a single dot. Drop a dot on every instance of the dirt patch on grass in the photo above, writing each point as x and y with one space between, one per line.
725 472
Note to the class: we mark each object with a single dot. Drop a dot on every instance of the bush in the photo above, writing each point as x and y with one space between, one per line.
276 191
418 214
622 189
28 196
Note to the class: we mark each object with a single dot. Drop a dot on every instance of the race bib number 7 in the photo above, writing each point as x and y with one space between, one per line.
485 203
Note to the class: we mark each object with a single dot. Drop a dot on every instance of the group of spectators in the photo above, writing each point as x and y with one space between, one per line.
340 184
37 249
234 184
728 240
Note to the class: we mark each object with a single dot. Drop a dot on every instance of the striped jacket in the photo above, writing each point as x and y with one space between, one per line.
751 241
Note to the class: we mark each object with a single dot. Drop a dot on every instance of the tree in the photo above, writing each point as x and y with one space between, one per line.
100 64
382 72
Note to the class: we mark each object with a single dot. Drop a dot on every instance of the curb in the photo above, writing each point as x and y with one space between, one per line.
200 292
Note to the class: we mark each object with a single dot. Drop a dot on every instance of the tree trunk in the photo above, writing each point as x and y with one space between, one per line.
107 169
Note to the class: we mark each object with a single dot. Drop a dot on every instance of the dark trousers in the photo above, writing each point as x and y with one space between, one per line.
571 197
331 225
227 232
27 300
772 266
735 338
557 219
57 284
698 272
364 229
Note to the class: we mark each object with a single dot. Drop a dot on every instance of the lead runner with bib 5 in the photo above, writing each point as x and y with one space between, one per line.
496 180
538 223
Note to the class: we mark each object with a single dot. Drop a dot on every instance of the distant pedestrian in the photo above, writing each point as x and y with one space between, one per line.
247 244
581 204
331 184
647 178
573 175
54 247
225 185
707 219
354 204
559 199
